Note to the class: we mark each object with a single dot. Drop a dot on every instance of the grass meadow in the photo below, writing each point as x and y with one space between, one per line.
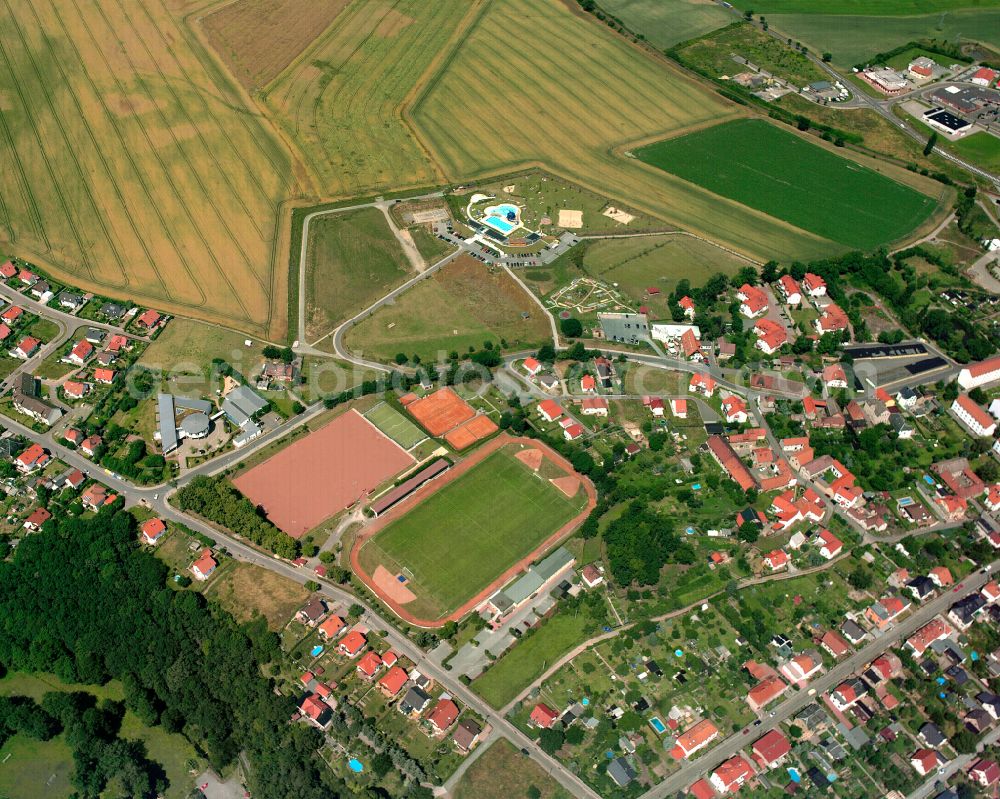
468 532
247 591
875 9
794 180
980 148
502 772
352 260
340 101
134 166
462 305
567 94
667 22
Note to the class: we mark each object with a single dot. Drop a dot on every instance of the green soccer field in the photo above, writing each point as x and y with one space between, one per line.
788 177
395 425
469 532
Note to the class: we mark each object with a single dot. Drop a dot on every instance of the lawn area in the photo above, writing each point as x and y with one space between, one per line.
982 149
430 246
667 22
504 773
395 425
185 349
882 7
41 328
637 263
650 380
32 763
462 305
788 177
464 535
324 376
352 260
247 590
506 678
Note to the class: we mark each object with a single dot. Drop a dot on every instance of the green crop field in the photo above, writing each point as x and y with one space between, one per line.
461 305
637 263
792 179
395 425
874 8
666 22
982 149
462 537
352 260
568 95
854 38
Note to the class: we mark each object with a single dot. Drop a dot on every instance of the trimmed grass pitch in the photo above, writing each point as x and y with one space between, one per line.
466 534
791 179
395 425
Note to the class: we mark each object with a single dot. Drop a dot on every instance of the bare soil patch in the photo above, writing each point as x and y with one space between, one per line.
389 584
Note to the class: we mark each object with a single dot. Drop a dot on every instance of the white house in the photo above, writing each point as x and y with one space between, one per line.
972 415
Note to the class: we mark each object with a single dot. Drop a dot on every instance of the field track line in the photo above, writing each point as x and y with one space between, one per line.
24 188
196 173
184 206
55 185
251 174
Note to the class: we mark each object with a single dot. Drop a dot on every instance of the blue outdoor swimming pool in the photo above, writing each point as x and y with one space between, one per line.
793 774
316 651
499 223
657 725
355 765
502 217
904 502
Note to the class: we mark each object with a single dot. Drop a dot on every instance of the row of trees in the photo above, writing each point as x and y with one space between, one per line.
83 601
217 500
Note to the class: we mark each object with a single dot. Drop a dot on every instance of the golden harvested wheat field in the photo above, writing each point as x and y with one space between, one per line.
132 166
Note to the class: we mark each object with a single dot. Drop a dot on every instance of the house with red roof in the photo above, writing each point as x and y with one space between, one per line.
700 789
724 455
37 518
549 410
691 346
331 627
91 445
985 773
75 389
81 352
941 576
118 342
834 376
97 496
973 416
153 531
532 366
369 665
814 285
203 568
148 319
790 290
591 576
991 591
8 270
829 545
730 775
27 277
588 384
315 711
735 409
104 376
882 613
655 404
776 559
934 630
542 716
352 644
984 76
5 331
993 497
687 305
679 408
926 761
771 749
954 508
834 643
33 458
594 406
28 347
765 692
444 714
771 336
572 430
392 681
801 667
694 739
831 320
702 384
848 693
12 314
753 301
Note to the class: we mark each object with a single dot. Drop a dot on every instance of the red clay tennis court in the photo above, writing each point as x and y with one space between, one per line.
476 429
441 411
323 473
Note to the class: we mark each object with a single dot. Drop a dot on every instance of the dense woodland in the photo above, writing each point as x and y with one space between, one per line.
82 600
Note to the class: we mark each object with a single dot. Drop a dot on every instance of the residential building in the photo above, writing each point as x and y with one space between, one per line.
203 568
444 714
814 285
771 749
694 739
730 775
979 374
790 290
973 416
543 716
753 301
153 531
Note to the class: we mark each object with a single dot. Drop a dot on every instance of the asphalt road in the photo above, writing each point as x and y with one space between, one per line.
692 770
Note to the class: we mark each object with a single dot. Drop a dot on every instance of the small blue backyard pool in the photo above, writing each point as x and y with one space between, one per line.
657 725
316 651
355 765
